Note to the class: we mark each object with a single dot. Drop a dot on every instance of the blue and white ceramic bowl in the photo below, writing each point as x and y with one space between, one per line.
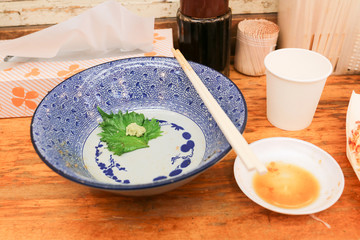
65 126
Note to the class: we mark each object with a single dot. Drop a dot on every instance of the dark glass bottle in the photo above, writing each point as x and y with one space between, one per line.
204 32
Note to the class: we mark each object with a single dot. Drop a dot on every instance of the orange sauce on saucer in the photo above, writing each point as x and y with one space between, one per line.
287 186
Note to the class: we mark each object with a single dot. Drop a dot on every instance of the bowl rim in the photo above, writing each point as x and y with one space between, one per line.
144 186
297 211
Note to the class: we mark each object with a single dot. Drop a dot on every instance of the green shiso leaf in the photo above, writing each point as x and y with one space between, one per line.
114 131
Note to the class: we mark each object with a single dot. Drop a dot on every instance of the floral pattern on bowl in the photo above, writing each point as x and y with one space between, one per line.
66 117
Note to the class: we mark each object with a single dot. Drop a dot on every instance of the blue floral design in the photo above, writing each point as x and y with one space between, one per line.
108 170
176 127
186 159
187 148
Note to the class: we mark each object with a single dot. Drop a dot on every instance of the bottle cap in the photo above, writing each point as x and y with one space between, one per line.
204 8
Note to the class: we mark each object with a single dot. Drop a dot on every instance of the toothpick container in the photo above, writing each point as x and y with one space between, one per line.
255 39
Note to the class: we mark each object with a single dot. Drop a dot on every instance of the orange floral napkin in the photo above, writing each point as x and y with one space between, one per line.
24 84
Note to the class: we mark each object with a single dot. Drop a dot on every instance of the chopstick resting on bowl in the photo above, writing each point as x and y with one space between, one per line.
232 134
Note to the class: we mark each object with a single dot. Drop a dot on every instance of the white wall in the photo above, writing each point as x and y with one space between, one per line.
38 12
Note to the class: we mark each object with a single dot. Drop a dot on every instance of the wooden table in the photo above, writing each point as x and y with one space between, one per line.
36 203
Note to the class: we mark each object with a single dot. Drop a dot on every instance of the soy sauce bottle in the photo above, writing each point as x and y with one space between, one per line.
204 32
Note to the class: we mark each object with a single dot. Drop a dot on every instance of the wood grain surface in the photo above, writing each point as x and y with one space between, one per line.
36 203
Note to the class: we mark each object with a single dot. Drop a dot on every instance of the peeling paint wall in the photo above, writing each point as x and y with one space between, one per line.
38 12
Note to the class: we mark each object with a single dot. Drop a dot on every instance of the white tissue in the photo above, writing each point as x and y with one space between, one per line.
102 29
352 126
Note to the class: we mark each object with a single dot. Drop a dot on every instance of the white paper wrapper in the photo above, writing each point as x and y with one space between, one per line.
353 132
102 29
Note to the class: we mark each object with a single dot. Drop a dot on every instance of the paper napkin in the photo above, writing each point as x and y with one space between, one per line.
102 29
353 132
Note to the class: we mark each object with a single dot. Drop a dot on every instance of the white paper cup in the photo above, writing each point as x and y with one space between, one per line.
295 79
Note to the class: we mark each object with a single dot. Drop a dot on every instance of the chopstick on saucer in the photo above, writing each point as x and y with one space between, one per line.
232 134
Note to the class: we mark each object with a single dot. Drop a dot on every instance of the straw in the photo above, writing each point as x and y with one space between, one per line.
349 57
232 134
327 27
338 35
309 9
321 9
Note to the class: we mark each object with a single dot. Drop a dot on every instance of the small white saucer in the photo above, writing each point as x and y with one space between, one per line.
300 153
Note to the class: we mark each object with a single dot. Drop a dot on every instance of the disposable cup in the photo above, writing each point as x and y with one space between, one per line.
295 79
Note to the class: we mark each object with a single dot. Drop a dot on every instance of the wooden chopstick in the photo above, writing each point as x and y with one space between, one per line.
232 134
